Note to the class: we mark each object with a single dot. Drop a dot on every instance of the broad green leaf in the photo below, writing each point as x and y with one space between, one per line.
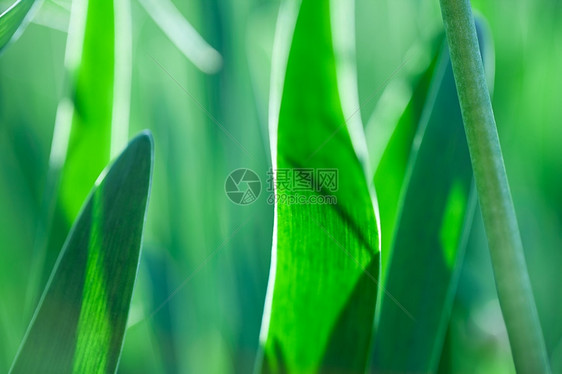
436 210
325 262
392 167
92 121
80 322
13 20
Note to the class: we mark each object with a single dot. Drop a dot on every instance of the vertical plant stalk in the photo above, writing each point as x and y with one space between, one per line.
506 249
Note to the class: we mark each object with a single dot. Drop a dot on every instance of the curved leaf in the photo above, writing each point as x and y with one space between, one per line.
12 21
437 205
80 322
391 170
184 36
325 261
92 120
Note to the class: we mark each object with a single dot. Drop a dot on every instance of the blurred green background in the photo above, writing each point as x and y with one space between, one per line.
199 298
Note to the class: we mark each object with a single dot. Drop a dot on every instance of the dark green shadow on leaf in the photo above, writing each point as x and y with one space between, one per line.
392 168
320 295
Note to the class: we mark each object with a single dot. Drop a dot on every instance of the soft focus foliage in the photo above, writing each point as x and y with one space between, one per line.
200 293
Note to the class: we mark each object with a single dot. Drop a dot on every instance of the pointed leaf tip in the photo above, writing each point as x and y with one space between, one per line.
80 322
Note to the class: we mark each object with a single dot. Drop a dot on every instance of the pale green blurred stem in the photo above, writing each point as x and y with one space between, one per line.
506 249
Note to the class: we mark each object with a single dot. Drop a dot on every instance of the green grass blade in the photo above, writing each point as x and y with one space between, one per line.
85 119
436 210
498 212
80 322
91 123
422 261
325 267
184 36
13 20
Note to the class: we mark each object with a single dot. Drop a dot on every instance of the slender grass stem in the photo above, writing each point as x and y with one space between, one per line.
510 271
